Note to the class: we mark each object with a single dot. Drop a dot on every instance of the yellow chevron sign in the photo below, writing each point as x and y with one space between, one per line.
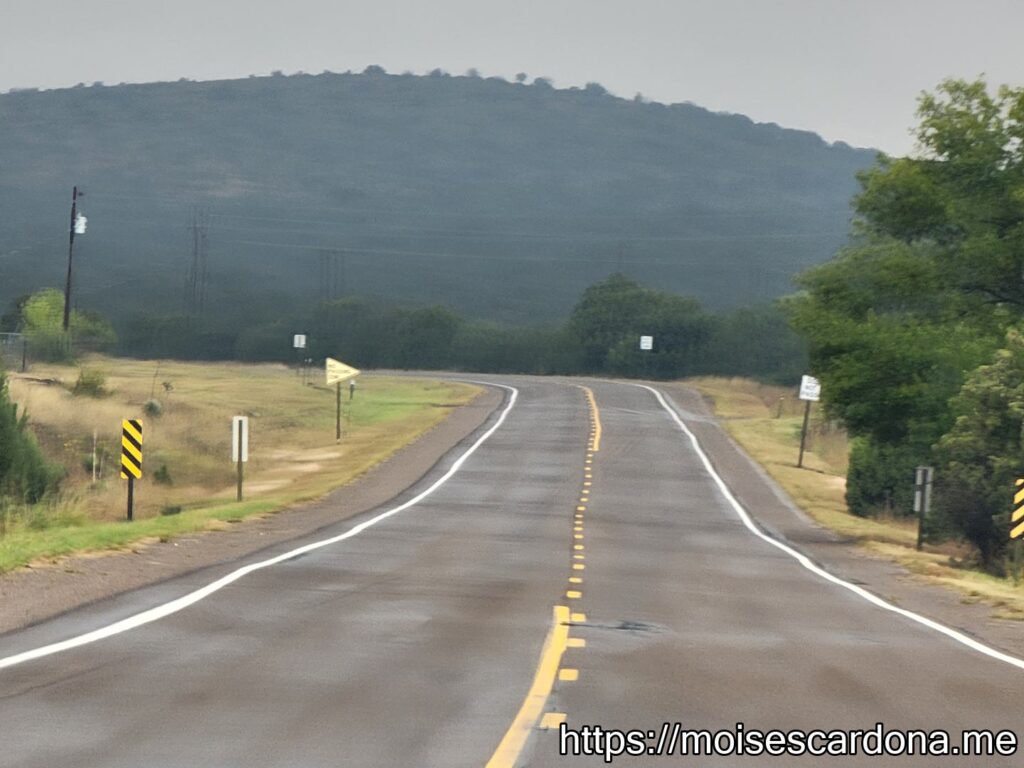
131 449
338 371
1017 518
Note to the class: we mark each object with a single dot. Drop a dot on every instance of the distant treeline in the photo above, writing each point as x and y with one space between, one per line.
601 336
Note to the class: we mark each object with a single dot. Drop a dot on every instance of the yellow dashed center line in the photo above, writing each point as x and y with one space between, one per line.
531 714
551 721
508 751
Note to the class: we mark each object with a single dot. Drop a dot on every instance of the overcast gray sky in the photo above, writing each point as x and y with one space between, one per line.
847 70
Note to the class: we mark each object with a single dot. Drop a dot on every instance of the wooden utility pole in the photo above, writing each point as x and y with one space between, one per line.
71 248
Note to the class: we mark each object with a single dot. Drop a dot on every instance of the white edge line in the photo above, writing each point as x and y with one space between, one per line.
166 609
809 564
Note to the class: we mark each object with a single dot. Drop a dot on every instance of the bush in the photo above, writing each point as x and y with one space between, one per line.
162 476
152 408
24 473
881 478
91 383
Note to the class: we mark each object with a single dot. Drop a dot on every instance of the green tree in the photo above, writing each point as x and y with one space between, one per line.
608 313
611 316
422 338
42 322
982 454
24 473
927 290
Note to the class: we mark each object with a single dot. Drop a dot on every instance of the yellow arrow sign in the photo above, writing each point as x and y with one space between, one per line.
338 371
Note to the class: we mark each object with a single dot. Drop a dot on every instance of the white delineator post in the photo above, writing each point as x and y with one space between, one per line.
240 447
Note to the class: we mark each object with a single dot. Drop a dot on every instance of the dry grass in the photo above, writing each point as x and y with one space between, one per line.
766 421
293 453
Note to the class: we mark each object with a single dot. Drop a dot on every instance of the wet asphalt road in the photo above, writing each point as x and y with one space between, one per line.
415 642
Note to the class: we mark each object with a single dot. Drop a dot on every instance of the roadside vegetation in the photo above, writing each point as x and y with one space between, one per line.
54 506
766 421
915 328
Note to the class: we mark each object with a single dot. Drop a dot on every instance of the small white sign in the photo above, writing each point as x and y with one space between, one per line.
80 224
299 341
239 435
810 389
646 343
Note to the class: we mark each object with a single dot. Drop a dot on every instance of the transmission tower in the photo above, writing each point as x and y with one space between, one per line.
198 273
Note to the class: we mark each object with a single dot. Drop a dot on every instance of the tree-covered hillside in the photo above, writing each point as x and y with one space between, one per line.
501 200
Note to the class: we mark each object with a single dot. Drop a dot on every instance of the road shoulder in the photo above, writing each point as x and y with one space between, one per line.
779 516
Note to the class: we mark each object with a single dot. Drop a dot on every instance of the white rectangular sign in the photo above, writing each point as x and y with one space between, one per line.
239 434
299 341
810 389
646 343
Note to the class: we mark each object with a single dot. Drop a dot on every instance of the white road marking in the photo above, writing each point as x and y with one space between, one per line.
809 564
162 611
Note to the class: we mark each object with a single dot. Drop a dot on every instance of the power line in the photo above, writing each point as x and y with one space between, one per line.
479 257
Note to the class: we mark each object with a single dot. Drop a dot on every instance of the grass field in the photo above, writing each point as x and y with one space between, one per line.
189 480
766 421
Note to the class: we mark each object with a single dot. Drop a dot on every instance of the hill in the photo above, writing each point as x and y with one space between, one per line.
502 200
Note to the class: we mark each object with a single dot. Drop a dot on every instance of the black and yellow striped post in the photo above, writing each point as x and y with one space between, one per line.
131 457
1017 518
1017 525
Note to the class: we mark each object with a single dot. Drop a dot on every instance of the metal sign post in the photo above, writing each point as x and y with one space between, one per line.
337 415
922 499
810 392
299 344
239 447
131 458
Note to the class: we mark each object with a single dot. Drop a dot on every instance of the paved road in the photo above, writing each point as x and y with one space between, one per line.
417 641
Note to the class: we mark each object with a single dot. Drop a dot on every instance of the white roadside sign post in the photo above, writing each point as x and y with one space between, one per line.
299 344
922 499
337 372
810 392
646 345
239 446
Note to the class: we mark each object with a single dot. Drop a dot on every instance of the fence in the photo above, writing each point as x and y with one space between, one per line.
13 351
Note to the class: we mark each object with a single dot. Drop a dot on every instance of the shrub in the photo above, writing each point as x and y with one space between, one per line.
24 473
91 383
153 408
881 478
162 476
